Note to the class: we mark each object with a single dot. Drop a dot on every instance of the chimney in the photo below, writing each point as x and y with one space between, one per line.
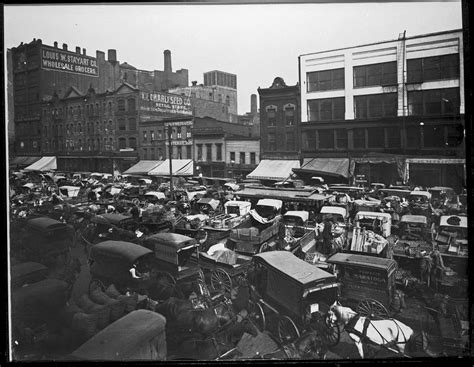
83 51
55 44
78 50
112 56
168 68
65 46
253 104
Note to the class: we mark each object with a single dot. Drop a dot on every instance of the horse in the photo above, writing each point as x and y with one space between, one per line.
363 331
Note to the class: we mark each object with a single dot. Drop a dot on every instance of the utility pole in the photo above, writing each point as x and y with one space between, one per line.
170 153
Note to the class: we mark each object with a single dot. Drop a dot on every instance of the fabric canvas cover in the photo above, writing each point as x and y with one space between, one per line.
143 167
181 167
274 169
328 166
44 164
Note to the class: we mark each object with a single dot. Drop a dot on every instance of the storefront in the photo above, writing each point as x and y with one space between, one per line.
429 172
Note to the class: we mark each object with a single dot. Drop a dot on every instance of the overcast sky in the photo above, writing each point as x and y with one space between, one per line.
257 42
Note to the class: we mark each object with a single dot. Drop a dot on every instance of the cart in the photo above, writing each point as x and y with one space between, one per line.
294 292
368 282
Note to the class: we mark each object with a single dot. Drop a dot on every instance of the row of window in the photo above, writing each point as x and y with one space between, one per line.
149 153
176 133
288 115
242 159
218 152
419 70
419 136
420 103
89 128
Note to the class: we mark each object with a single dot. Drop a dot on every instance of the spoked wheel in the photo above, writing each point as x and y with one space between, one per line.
287 330
257 315
200 276
96 284
372 309
221 281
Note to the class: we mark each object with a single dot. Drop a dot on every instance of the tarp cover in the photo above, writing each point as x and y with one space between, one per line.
142 167
326 166
44 164
274 169
181 167
24 160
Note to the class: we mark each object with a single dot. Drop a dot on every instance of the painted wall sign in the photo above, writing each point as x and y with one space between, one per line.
70 62
158 104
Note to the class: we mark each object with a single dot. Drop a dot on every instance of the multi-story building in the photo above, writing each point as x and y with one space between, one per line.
279 120
252 118
242 155
216 98
47 76
391 111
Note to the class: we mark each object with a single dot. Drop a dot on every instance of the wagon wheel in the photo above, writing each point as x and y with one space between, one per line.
372 309
287 330
257 315
221 281
96 284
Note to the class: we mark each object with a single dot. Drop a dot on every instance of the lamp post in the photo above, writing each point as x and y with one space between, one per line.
170 153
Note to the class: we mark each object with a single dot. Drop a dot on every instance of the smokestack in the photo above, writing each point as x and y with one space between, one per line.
253 104
55 44
83 51
168 68
78 50
65 46
112 55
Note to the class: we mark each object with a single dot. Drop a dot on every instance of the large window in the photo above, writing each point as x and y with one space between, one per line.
122 143
376 137
271 142
433 136
289 116
132 124
252 158
376 105
121 104
455 135
393 137
208 152
375 74
232 157
309 140
326 139
433 68
341 138
271 115
218 152
188 151
325 80
433 102
121 124
413 136
199 152
131 104
132 143
242 157
359 138
290 141
326 109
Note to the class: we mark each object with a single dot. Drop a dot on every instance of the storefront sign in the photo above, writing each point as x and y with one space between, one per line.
179 123
180 142
61 60
157 104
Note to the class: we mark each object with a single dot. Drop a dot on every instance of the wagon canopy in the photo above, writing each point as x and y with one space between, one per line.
213 203
296 216
363 261
453 221
139 335
293 267
420 219
127 251
237 207
334 210
112 218
175 241
385 217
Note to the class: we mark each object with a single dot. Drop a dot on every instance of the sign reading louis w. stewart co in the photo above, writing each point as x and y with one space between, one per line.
159 104
61 60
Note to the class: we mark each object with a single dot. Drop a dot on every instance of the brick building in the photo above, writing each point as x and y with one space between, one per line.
391 111
49 79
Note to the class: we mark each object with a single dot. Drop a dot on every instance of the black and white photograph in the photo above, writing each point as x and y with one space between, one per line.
224 181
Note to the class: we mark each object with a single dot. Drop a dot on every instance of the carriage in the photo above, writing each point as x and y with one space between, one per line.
46 240
294 293
137 336
367 282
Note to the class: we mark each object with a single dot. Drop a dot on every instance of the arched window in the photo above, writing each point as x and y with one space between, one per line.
121 105
131 104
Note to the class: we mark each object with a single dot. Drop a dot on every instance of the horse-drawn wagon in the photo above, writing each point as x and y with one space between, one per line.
296 293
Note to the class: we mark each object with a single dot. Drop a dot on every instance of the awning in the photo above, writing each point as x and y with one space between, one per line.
44 164
24 160
181 167
277 170
436 160
338 167
142 167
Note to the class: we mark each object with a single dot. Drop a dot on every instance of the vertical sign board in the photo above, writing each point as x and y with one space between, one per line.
66 61
188 123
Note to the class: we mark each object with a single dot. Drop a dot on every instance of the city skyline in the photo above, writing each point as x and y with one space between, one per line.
192 31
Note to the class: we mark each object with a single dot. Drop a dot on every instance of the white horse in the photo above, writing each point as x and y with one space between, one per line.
385 333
